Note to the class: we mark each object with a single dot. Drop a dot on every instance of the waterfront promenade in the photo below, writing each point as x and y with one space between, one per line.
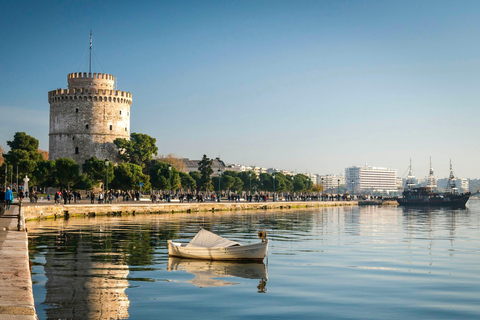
16 295
45 210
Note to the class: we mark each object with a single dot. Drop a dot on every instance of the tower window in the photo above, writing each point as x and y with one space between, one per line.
120 111
111 127
76 150
76 110
73 138
86 126
125 128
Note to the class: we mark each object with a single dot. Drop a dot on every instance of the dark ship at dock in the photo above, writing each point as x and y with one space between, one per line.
428 197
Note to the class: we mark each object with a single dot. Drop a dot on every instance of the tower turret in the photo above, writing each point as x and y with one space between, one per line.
87 117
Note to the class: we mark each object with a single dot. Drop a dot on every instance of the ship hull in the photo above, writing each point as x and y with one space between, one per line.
457 201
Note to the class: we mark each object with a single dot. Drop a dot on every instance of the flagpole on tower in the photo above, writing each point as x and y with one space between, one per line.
90 61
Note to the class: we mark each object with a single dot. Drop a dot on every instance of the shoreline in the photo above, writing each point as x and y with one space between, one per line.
47 211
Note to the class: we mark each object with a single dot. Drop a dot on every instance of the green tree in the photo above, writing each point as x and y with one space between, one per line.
44 175
84 183
96 170
163 178
237 185
139 149
281 182
205 169
265 182
197 177
248 177
127 176
67 172
226 182
187 182
302 183
24 154
27 166
24 142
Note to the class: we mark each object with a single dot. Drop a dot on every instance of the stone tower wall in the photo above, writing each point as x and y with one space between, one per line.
87 117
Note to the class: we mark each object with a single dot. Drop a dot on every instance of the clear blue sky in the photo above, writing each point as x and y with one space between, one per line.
311 86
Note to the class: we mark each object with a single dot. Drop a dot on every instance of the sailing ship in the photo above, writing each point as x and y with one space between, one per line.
428 197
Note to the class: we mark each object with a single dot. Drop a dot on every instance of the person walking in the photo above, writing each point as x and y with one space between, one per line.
65 196
8 198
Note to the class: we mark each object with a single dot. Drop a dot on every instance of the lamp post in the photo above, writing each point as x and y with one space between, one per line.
273 176
250 177
106 184
353 187
219 180
169 181
323 189
338 188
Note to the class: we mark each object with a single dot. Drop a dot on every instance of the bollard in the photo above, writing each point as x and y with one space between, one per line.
20 217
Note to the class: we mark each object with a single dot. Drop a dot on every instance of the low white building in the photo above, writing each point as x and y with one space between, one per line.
331 181
192 165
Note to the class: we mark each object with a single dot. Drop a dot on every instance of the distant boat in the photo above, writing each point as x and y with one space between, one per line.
427 196
209 246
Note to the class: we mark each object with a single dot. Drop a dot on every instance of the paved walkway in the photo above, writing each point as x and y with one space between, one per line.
16 296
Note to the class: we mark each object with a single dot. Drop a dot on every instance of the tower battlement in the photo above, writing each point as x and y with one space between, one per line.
85 94
81 80
88 75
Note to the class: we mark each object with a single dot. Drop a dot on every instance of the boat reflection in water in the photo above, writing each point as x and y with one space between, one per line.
206 272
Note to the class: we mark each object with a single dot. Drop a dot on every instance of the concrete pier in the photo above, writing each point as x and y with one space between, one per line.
42 211
16 295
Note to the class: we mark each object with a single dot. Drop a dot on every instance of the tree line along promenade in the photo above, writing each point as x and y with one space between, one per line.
138 171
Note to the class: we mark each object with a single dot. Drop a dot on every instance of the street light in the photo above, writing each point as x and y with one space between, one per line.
219 179
353 187
273 176
250 177
338 188
169 181
107 163
323 189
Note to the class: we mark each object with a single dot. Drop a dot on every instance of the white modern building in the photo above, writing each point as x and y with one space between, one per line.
371 180
331 181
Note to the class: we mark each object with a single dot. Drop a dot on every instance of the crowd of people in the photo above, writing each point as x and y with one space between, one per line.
101 197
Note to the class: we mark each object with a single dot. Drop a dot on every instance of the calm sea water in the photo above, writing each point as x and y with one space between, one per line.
330 263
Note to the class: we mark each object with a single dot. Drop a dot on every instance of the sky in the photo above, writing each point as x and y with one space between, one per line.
307 86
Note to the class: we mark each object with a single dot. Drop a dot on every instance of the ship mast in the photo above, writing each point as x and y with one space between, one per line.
431 180
410 178
451 186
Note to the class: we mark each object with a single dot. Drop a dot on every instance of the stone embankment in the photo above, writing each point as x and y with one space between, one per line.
16 295
57 211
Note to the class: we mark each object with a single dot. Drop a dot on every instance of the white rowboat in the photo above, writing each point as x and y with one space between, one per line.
209 246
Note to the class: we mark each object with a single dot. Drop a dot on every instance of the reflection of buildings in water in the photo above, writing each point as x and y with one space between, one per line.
205 271
80 288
